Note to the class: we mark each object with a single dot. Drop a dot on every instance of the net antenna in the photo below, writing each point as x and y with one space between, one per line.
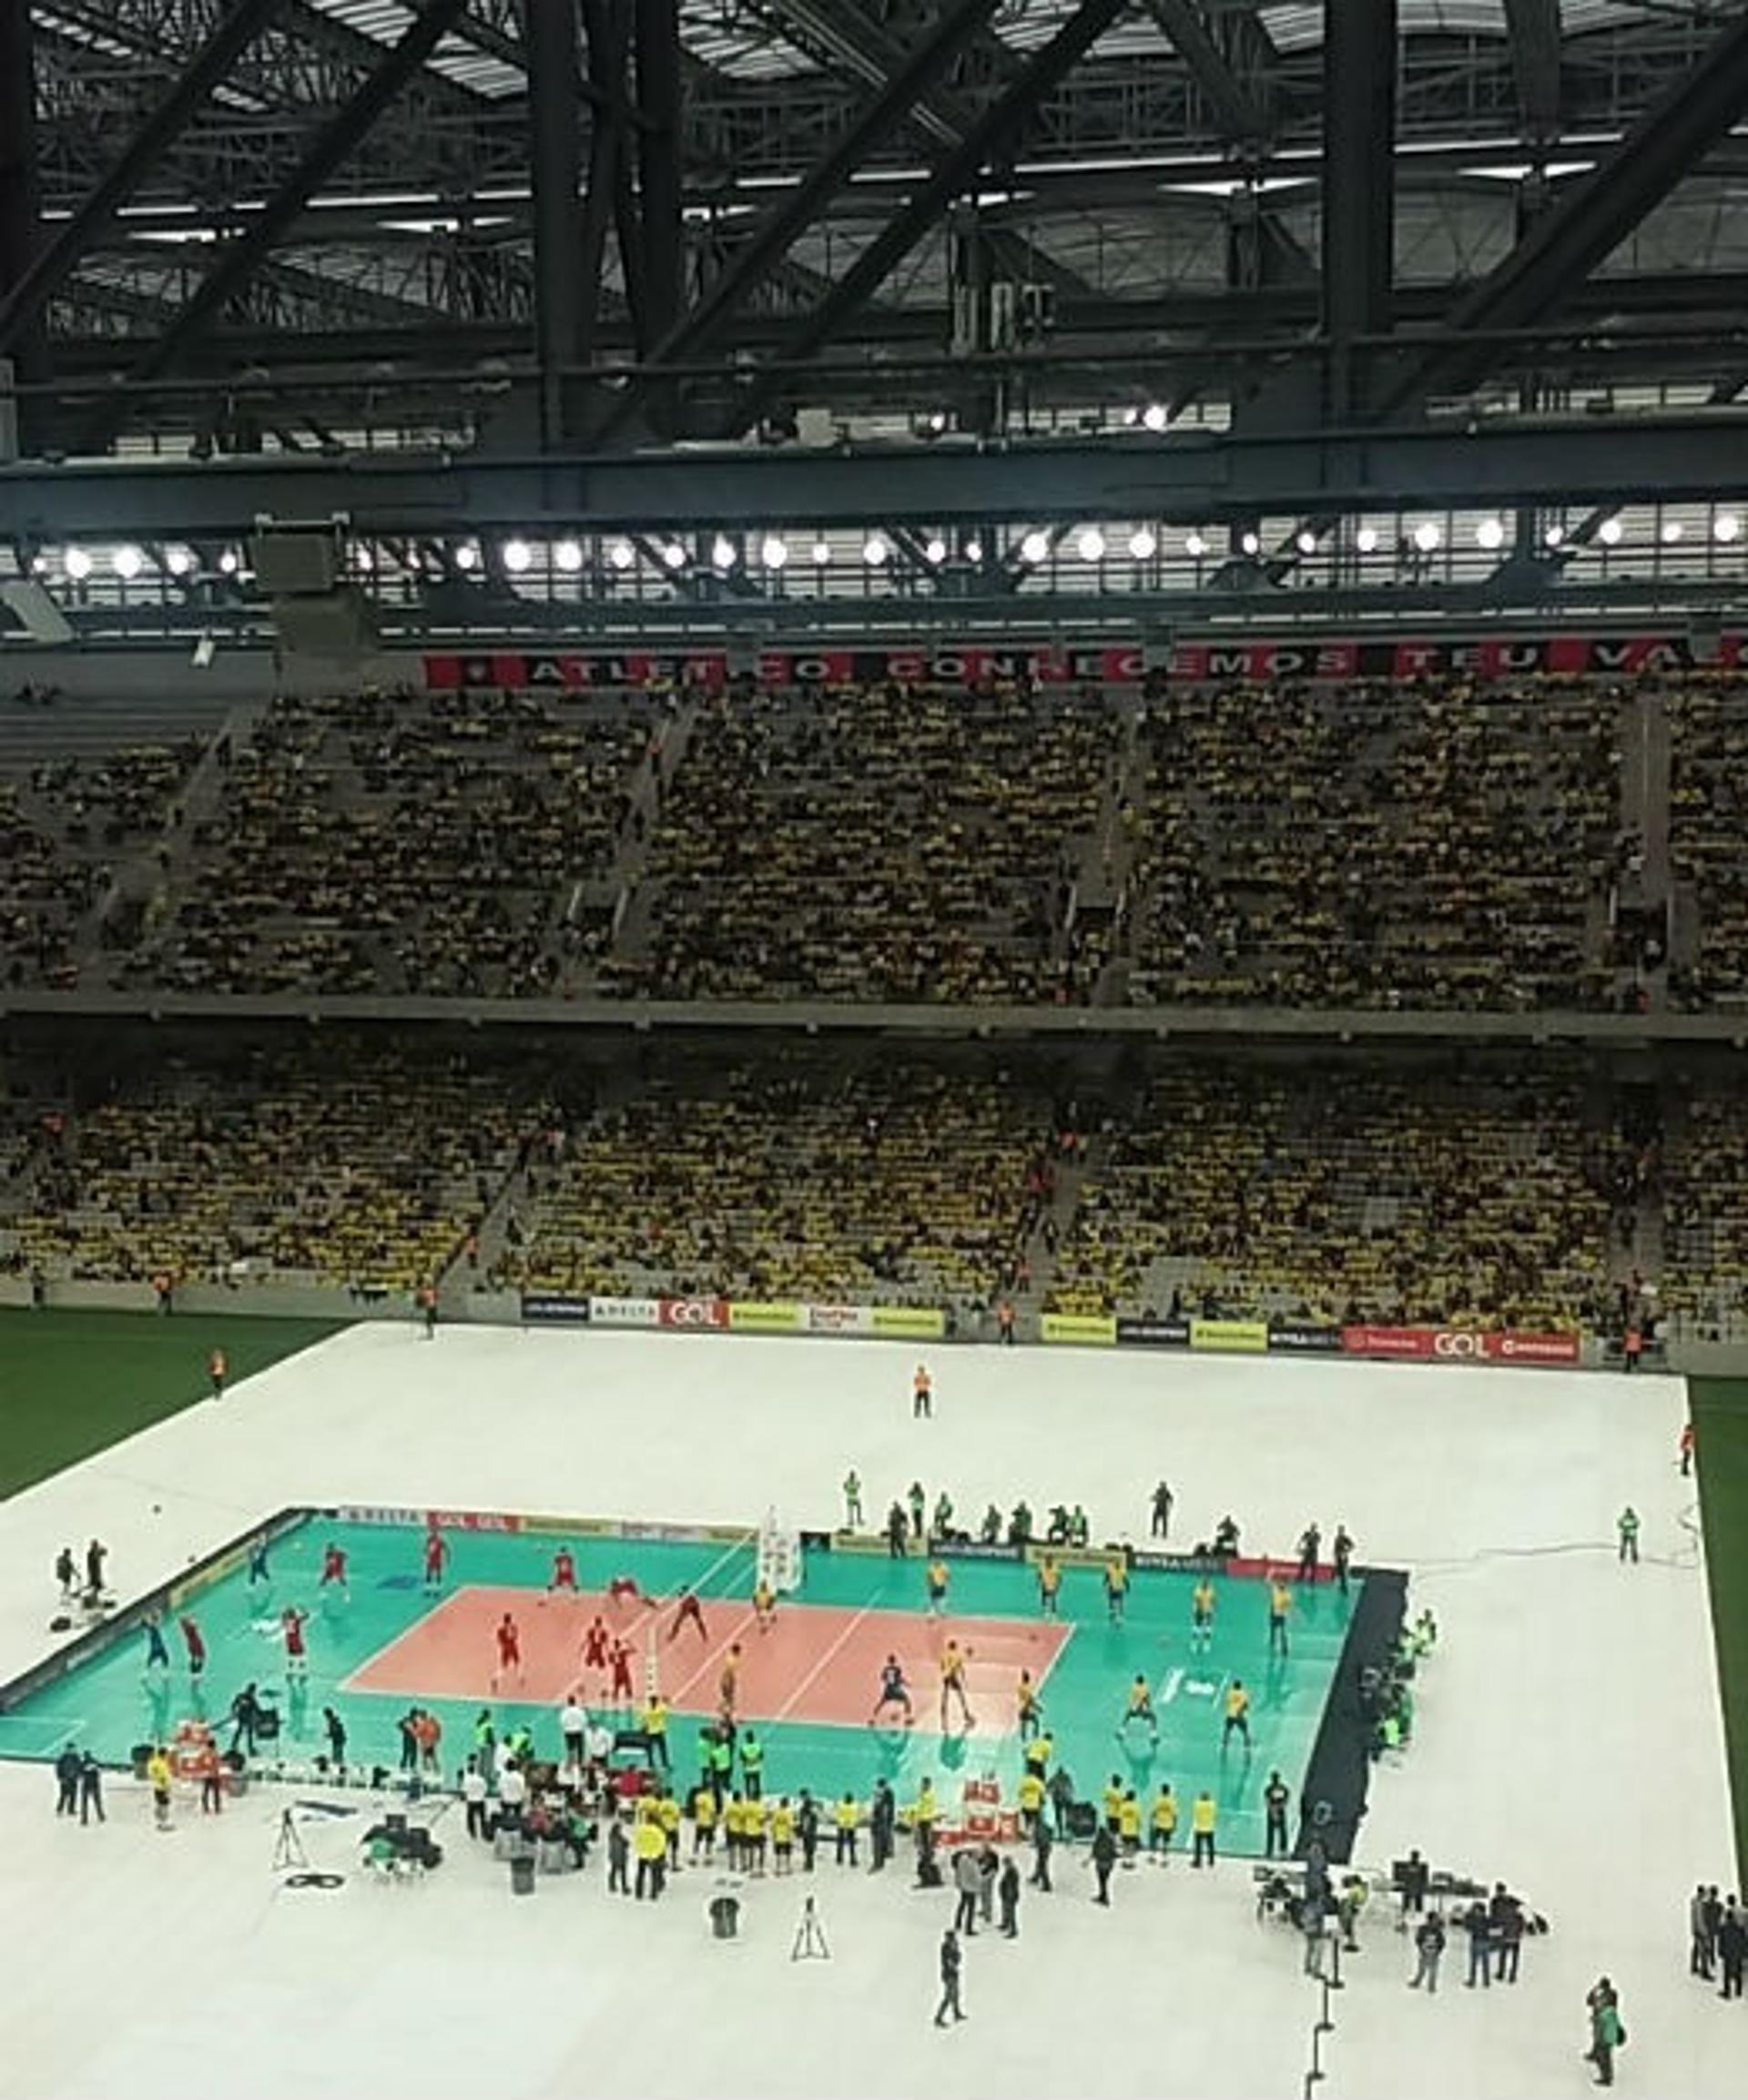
779 1555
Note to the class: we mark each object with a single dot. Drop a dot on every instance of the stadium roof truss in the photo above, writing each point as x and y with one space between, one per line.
572 264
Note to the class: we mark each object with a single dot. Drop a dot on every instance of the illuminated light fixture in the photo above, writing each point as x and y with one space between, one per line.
1427 536
875 550
935 552
773 550
127 562
1671 531
937 421
1090 545
1034 548
1365 539
39 564
974 551
1154 416
674 555
1251 544
620 555
1726 526
1555 537
1489 533
1307 542
78 563
722 552
364 560
467 556
567 556
1131 417
1609 532
517 556
821 552
1144 545
1195 546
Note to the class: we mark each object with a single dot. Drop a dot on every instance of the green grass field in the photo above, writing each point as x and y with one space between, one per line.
74 1383
1720 1436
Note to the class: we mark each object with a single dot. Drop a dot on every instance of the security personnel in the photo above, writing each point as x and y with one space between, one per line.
1275 1797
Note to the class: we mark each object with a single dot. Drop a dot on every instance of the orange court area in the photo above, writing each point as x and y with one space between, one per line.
818 1663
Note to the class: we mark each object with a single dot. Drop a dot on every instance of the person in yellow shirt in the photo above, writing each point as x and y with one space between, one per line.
1129 1823
704 1822
952 1685
734 1832
1116 1585
1050 1585
1202 1617
764 1605
667 1814
1141 1706
845 1818
654 1720
926 1813
1164 1821
1280 1602
158 1777
1237 1720
754 1822
922 1396
1028 1712
1111 1802
650 1845
783 1835
935 1579
1031 1800
1202 1816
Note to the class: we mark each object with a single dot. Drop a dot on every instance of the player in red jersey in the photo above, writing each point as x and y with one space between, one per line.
689 1607
509 1648
292 1621
333 1565
196 1647
594 1643
621 1670
564 1571
436 1557
623 1587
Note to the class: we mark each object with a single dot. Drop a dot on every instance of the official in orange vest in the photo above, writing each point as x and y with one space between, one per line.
1004 1321
217 1370
923 1392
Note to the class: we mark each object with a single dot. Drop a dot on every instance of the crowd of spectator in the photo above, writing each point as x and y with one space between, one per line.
901 1183
1708 829
1344 1192
1704 1282
879 842
438 844
1376 845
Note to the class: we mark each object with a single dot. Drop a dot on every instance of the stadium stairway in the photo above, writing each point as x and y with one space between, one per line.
634 908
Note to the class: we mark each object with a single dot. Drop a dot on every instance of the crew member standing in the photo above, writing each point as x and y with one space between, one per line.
1162 1500
922 1396
951 1960
1275 1796
216 1371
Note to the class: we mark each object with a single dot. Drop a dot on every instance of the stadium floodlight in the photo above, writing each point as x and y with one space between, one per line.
773 549
1090 545
622 554
1489 533
935 552
1555 537
1427 536
517 556
1195 546
722 552
1307 542
567 556
1609 532
1131 417
974 552
1155 416
674 556
1143 544
39 564
126 561
1671 531
875 550
822 553
1035 547
78 563
467 556
1251 544
1726 526
1365 539
363 559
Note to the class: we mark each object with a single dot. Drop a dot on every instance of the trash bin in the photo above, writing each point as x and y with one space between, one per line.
521 1874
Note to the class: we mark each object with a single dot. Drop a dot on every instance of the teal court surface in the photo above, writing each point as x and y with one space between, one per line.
381 1641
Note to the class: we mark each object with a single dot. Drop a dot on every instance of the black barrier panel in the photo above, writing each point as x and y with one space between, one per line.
549 1307
1164 1333
1287 1334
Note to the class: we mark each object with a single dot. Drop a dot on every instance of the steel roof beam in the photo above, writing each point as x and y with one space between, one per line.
1534 26
1240 117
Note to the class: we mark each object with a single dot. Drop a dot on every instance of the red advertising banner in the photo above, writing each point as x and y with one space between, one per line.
1486 656
699 1313
1461 1345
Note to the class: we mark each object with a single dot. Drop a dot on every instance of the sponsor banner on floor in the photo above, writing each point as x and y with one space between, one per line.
909 1322
702 1313
1095 1329
1237 1337
752 1316
1293 1337
556 1305
1155 1334
839 1319
625 1311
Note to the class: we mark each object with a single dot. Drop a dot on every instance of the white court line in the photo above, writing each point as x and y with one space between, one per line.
788 1703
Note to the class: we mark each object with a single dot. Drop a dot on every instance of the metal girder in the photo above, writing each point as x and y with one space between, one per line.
238 261
20 229
1591 220
197 81
1358 183
661 86
1239 116
987 141
788 219
554 124
1534 26
1214 479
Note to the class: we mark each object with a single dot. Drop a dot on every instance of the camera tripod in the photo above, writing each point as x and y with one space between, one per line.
809 1937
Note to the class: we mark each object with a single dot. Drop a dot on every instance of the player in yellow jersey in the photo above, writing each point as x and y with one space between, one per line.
1028 1711
1116 1584
935 1579
1202 1617
952 1685
1164 1821
1050 1583
764 1605
1280 1602
704 1822
1237 1721
1140 1707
